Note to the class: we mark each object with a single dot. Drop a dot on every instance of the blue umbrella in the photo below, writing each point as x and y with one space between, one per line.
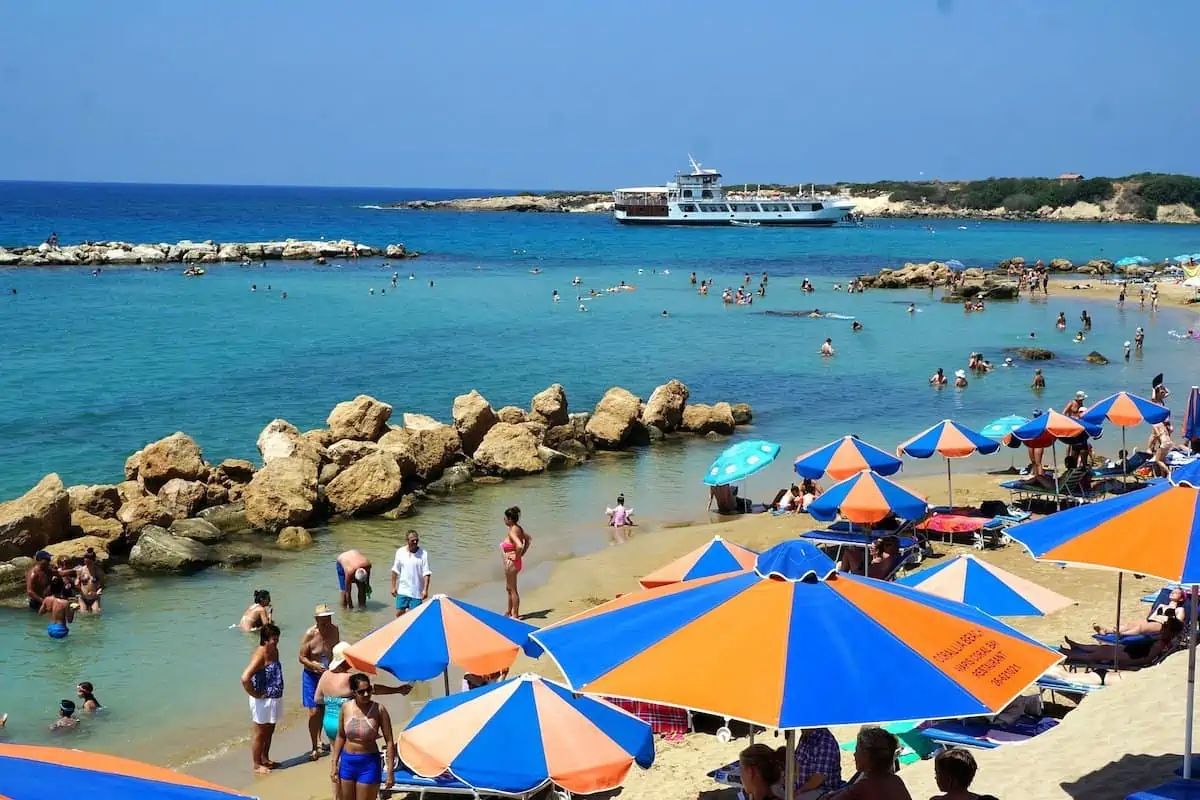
1130 261
740 461
517 736
954 263
1191 419
992 590
866 498
999 428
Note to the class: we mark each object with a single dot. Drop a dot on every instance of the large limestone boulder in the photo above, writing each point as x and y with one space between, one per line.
131 466
612 423
1060 265
321 437
417 422
128 491
346 451
201 530
141 512
549 406
367 485
160 551
742 413
86 524
282 493
704 419
236 470
473 418
364 417
664 409
430 450
176 456
294 537
40 517
512 415
102 500
74 549
508 450
182 498
230 518
282 439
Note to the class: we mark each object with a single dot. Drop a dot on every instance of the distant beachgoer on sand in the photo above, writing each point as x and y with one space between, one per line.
513 548
1137 653
1061 322
87 693
1154 297
619 518
353 570
856 326
1074 408
960 379
357 769
66 717
58 606
1142 296
411 574
263 682
827 347
316 652
90 578
954 770
809 490
1176 606
938 378
1039 380
1121 297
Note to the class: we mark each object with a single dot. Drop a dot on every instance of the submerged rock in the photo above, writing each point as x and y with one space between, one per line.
160 551
294 537
1095 358
1031 353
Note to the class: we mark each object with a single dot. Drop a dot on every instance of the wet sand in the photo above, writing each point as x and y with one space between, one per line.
1141 715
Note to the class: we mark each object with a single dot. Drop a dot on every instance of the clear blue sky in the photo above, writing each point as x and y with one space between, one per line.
573 94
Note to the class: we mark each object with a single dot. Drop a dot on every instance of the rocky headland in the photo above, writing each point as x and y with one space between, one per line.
553 202
177 513
97 254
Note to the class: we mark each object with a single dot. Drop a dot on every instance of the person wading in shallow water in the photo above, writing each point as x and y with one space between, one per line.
316 651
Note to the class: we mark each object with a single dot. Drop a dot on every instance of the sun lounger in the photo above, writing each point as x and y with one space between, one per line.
1178 789
1158 602
1137 460
912 548
410 783
986 735
1074 689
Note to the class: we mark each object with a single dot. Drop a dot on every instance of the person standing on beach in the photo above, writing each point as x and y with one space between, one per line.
410 574
37 580
263 682
513 548
354 570
357 769
316 651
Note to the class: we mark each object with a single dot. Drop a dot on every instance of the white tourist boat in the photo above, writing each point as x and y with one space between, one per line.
697 198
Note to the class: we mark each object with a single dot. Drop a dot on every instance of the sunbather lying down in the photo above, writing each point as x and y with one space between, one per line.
1139 653
1176 606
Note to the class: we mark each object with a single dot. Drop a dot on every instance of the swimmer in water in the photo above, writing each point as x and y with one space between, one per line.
912 308
1039 380
254 287
1061 322
1079 336
555 296
371 291
283 296
582 307
827 347
938 378
814 314
856 326
1032 335
664 313
431 284
412 277
1127 349
960 379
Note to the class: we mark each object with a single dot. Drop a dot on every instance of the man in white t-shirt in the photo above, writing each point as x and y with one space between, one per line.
410 575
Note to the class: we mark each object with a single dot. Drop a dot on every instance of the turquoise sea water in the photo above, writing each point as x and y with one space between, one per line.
93 368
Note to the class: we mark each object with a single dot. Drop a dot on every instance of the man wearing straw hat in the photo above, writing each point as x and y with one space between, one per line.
316 651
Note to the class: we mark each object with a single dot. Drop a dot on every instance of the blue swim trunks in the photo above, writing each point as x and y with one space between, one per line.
362 768
57 630
406 603
308 688
341 573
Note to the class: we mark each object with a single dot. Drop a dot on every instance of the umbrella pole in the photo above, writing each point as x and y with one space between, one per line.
1054 455
949 486
446 680
1191 687
1117 630
789 767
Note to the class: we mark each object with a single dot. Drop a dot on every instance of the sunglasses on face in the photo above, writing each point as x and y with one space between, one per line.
363 692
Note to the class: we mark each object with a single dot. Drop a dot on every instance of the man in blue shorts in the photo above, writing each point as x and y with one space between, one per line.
410 575
353 569
316 651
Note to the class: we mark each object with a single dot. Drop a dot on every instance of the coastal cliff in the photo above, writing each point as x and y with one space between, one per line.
177 513
551 202
189 252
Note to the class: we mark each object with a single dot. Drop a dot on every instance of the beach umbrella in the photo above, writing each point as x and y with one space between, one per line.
740 460
1193 282
716 557
992 590
955 264
865 498
949 440
823 642
1046 430
844 457
1130 261
1153 531
423 643
28 772
516 736
1191 417
1000 428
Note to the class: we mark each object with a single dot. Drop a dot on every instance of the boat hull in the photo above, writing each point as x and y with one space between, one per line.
725 223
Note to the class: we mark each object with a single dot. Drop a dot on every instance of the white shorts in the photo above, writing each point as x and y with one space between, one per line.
264 711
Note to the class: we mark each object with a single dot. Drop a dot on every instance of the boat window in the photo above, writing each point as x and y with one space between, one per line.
817 206
802 206
706 193
722 207
687 208
687 192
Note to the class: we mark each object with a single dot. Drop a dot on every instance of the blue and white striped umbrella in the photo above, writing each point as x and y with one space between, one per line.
741 460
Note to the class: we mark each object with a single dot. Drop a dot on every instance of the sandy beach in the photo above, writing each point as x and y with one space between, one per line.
1170 293
1119 740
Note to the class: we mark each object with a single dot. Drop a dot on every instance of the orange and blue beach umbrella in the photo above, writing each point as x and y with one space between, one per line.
1126 410
423 643
35 773
949 440
845 457
717 557
516 736
867 497
985 586
827 648
1050 427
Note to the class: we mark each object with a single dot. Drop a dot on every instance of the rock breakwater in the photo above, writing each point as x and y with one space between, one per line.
176 512
97 254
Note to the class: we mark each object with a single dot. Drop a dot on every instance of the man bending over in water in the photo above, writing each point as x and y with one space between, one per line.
354 569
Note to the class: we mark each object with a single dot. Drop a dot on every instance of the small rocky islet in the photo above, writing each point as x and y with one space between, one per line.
100 254
177 513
